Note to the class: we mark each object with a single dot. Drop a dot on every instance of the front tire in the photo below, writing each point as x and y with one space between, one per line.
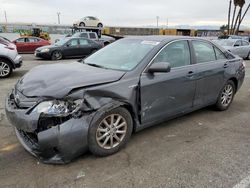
226 96
56 55
100 25
5 68
110 132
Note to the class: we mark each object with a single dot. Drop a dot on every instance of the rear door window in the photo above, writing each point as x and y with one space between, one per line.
204 52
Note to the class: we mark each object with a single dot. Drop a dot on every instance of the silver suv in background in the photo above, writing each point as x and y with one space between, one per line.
9 58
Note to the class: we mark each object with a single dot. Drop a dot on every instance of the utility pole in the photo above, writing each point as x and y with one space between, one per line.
167 23
157 21
229 17
58 17
5 15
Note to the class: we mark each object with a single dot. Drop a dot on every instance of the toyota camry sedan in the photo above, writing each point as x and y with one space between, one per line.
60 111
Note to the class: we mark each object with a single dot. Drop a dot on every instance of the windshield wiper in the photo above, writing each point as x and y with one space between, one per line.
95 65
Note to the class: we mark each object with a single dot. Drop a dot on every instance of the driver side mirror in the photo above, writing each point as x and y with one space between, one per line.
160 67
236 45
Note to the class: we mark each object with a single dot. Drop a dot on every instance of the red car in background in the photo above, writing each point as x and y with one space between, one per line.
29 44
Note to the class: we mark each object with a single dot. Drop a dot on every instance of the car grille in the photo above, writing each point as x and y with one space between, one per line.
22 101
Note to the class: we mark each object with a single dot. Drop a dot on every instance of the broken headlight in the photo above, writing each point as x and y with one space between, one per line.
57 107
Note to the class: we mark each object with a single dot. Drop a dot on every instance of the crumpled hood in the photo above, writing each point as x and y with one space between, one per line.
58 80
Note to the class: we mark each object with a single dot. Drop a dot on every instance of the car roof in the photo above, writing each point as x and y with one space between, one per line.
163 38
231 40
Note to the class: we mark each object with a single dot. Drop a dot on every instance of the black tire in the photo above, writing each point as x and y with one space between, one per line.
100 25
5 68
94 144
93 51
106 43
224 106
56 55
82 24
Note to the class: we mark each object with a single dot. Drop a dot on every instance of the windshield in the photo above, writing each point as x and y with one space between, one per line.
125 54
225 42
61 41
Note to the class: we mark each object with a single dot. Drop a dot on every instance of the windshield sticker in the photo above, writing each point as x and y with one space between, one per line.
154 43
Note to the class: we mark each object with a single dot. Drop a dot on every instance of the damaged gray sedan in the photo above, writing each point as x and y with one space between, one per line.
60 111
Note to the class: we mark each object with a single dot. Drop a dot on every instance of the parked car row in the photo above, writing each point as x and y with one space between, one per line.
29 44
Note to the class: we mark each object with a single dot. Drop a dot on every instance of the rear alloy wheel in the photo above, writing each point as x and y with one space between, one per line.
56 55
226 96
110 132
82 24
5 68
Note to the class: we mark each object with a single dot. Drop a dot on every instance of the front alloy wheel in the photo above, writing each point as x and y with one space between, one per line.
57 55
5 69
226 96
110 132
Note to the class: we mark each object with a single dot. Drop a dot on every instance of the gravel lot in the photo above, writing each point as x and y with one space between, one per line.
202 149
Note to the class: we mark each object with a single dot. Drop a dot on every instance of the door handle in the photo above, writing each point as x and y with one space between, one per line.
190 74
225 65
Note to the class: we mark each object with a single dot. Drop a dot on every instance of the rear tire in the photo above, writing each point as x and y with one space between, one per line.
5 68
110 132
56 55
226 96
82 24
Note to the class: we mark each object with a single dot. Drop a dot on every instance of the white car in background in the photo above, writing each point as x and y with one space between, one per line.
89 21
9 58
238 47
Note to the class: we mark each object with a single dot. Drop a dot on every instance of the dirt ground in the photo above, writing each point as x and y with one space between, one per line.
202 149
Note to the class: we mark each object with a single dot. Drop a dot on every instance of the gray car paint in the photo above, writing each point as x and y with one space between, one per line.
149 98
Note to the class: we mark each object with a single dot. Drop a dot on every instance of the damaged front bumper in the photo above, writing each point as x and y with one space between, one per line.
52 140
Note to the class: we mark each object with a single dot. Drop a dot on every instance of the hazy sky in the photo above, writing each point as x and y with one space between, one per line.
119 12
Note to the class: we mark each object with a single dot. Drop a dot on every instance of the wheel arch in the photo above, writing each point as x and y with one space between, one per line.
130 109
9 60
235 81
